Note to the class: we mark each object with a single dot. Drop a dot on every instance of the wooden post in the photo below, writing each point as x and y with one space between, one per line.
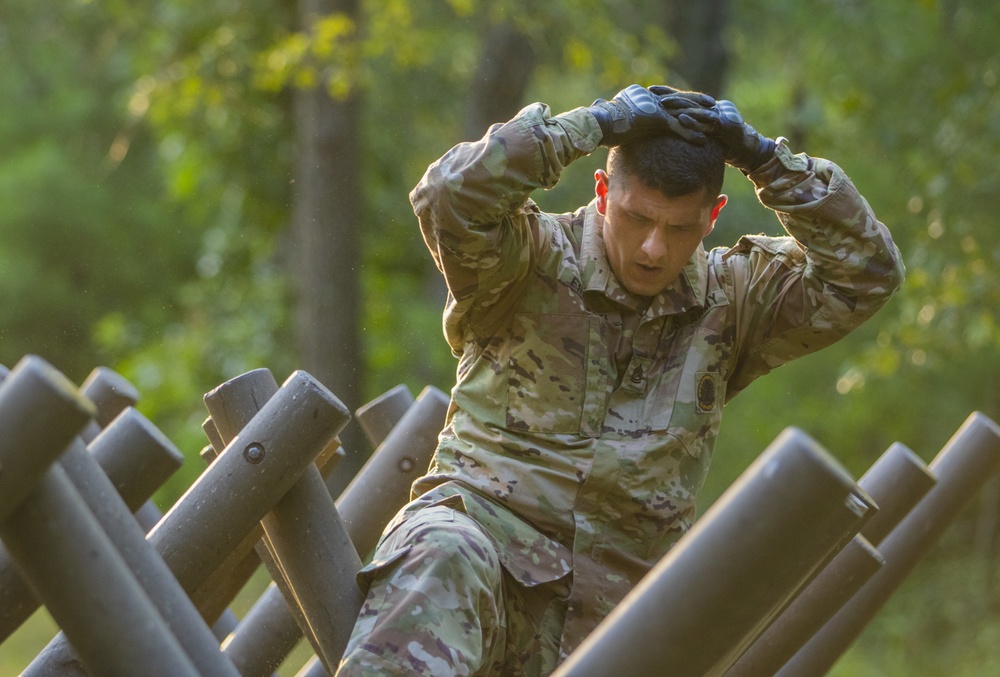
41 412
383 485
111 393
266 635
248 478
312 548
897 481
86 586
49 531
965 463
709 596
378 417
152 573
138 458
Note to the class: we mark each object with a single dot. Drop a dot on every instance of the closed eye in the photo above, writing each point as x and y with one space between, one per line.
685 227
637 217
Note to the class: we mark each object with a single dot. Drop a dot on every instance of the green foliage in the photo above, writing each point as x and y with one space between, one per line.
146 183
884 89
918 137
80 188
920 134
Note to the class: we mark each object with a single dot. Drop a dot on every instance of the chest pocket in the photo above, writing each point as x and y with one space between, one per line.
556 374
688 399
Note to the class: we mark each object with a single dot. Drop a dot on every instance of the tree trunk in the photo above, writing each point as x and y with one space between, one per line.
506 63
496 93
702 59
326 219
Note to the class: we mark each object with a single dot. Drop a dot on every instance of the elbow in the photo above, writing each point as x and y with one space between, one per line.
895 270
873 284
884 277
433 205
885 268
424 197
900 274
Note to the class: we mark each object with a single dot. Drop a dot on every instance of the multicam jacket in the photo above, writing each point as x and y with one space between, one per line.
582 426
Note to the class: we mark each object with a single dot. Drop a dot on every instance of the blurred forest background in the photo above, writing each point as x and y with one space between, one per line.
190 189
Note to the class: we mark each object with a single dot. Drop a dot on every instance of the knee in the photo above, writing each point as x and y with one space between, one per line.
454 547
435 605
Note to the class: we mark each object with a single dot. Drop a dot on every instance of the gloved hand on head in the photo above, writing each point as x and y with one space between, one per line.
744 147
637 111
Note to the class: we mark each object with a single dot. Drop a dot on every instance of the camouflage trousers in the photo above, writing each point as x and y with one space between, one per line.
440 604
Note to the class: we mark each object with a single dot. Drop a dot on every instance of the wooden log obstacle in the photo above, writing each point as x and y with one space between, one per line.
778 577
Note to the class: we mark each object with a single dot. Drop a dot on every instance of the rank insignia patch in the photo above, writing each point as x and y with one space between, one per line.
707 393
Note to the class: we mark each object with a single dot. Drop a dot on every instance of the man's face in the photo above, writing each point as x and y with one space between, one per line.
650 237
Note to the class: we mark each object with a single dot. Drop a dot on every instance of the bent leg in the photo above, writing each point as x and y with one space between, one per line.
435 604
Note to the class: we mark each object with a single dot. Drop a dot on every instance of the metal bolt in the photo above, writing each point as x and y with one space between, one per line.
254 453
405 464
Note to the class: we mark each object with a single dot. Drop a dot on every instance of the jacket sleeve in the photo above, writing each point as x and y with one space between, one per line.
474 213
795 295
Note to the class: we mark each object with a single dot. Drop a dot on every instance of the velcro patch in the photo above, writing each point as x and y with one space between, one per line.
706 392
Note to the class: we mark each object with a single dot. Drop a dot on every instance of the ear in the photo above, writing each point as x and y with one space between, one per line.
601 191
720 202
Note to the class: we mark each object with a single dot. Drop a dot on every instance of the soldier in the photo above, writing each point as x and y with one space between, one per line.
595 352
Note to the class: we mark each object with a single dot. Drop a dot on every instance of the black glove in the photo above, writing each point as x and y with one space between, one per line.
675 98
636 111
744 147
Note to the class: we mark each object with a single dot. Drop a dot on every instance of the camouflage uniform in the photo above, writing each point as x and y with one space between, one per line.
582 422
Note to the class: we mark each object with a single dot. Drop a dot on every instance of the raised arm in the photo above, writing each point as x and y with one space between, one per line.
473 204
475 215
799 294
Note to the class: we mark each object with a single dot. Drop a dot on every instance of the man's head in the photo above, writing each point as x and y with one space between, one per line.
660 196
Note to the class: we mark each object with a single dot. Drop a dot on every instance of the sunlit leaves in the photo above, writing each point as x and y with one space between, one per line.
81 195
914 119
462 7
594 37
578 55
327 55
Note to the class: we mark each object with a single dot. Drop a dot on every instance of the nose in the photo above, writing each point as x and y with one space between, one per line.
654 244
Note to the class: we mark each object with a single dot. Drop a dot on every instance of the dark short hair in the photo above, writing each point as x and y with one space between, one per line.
670 165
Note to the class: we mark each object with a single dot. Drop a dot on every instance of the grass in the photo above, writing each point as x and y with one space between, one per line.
22 647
